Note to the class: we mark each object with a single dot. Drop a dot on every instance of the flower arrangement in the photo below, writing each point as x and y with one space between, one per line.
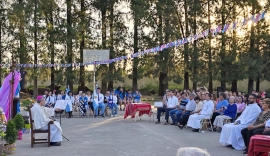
3 123
27 102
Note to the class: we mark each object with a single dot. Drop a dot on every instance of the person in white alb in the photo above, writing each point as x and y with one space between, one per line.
171 104
49 102
194 120
40 115
231 133
112 100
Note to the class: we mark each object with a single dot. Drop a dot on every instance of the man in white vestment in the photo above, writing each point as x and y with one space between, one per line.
231 133
194 120
40 115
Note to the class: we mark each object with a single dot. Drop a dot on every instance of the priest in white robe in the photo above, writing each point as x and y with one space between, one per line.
231 133
41 117
194 120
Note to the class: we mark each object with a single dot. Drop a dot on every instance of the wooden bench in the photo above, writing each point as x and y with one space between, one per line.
34 131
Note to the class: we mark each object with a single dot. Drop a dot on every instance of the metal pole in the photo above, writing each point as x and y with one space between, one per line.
94 76
12 86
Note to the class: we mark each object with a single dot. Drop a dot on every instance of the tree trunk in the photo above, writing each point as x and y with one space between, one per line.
222 52
250 85
162 85
35 89
22 43
135 60
210 81
186 80
258 84
51 40
195 51
69 45
186 52
234 86
112 54
251 50
83 26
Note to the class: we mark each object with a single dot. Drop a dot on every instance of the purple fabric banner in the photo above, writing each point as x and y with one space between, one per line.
5 92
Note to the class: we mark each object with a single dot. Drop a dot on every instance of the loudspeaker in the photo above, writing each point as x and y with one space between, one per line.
23 81
219 90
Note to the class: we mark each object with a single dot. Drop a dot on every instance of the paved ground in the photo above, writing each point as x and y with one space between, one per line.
119 137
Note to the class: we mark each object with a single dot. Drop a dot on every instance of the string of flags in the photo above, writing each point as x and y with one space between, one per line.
179 42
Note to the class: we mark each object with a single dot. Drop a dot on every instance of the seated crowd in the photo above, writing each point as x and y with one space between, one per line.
236 116
83 102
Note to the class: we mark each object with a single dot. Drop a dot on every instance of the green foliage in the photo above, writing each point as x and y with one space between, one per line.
175 86
11 133
19 122
148 88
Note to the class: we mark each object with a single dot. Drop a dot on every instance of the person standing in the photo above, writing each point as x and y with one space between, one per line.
70 101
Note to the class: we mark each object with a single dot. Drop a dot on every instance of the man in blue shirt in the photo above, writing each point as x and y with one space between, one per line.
137 96
178 111
222 102
122 98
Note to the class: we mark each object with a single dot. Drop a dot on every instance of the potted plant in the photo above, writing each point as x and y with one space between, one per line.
26 124
19 124
10 137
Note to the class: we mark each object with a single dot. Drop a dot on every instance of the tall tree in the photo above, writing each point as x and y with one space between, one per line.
82 42
69 75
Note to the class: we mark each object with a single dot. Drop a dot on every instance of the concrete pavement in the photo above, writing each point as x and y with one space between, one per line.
118 137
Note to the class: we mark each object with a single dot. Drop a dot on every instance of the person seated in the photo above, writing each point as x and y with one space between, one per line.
266 130
122 98
112 103
49 100
42 119
89 99
83 105
191 151
194 120
231 133
100 104
137 96
177 112
220 105
229 113
184 118
240 105
258 126
170 105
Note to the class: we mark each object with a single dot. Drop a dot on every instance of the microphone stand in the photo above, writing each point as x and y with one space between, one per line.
61 111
